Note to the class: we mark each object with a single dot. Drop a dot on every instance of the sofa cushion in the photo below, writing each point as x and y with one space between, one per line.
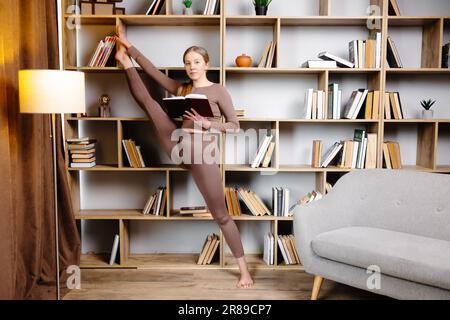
402 255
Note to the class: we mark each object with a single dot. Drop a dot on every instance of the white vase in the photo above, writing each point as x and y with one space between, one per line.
427 114
188 11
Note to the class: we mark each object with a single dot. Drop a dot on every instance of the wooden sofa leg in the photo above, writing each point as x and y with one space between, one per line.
316 287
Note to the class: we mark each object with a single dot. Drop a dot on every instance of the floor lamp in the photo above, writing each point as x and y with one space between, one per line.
52 92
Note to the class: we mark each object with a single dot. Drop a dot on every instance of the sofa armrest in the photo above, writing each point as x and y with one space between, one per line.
333 211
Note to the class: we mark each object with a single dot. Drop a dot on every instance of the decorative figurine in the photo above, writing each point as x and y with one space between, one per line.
104 111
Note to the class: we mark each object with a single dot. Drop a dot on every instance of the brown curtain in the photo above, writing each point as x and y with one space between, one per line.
28 40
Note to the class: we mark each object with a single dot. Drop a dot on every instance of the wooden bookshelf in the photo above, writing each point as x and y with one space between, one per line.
227 27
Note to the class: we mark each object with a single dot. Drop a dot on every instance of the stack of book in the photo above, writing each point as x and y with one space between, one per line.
155 7
358 153
363 104
134 154
280 202
82 152
233 205
268 55
264 154
253 202
209 252
288 249
393 57
392 106
269 249
194 211
156 202
315 104
103 52
212 7
391 155
366 53
114 250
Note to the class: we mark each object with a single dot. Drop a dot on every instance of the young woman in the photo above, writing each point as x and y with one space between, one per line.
206 176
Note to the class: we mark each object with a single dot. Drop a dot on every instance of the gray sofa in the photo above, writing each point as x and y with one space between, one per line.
395 220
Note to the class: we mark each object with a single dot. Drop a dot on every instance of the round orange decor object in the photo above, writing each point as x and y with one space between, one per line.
244 61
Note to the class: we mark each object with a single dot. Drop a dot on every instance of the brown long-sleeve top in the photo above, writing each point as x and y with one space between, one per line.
218 96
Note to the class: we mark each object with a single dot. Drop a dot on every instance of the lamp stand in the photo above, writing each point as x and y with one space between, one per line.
55 180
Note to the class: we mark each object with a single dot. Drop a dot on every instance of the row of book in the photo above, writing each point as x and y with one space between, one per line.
287 246
156 202
280 202
81 152
392 106
264 153
366 53
362 54
315 104
209 252
251 200
232 201
103 51
391 155
134 154
359 153
268 55
363 104
155 7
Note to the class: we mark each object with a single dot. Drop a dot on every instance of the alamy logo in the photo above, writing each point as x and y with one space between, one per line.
374 280
74 280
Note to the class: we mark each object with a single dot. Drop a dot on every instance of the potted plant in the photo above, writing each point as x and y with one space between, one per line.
261 6
187 10
427 104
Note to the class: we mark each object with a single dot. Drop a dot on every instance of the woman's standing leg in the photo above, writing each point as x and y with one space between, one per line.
209 181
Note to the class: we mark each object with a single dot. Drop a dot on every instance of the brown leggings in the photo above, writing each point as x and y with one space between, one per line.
206 176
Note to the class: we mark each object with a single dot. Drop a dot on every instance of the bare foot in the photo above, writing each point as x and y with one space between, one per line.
245 281
121 36
123 58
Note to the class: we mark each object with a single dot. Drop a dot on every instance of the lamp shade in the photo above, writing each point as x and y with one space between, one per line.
51 91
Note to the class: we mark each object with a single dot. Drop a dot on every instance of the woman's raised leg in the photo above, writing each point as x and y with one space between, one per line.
164 126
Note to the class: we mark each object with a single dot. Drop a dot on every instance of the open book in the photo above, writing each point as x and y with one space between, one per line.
176 106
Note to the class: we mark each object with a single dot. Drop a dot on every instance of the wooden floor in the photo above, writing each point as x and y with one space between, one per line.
205 285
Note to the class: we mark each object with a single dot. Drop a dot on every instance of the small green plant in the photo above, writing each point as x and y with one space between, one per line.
261 3
427 104
187 3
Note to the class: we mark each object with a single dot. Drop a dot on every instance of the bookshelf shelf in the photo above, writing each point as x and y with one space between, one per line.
297 70
418 71
412 21
170 20
300 34
117 69
114 168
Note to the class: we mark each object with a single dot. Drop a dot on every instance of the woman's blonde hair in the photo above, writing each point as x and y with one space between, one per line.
187 88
